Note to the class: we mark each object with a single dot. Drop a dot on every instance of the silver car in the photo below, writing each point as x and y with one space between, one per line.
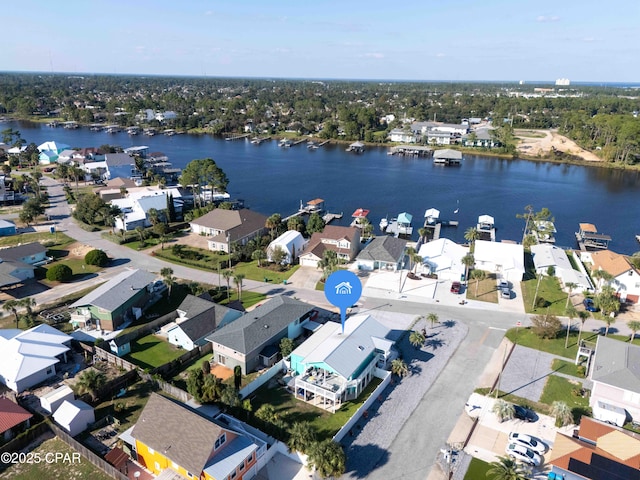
522 453
528 441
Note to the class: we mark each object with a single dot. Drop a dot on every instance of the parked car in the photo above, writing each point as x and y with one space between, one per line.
522 453
505 292
524 413
528 441
455 287
589 306
503 284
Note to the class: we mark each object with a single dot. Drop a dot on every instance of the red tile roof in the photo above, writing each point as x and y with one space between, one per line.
11 414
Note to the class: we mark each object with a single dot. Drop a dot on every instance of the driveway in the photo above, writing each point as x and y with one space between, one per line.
306 277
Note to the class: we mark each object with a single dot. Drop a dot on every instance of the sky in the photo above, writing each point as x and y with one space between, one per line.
463 40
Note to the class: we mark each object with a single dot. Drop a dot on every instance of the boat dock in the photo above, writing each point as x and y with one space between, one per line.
588 238
401 225
237 137
411 150
486 228
314 206
447 157
330 217
258 141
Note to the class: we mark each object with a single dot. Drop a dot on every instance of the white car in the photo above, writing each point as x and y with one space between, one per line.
528 441
522 453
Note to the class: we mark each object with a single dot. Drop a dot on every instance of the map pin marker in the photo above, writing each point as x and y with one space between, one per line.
343 289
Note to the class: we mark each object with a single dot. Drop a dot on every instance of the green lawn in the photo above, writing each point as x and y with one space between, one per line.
487 289
563 390
57 238
251 271
568 368
128 407
152 351
477 470
148 243
55 470
550 290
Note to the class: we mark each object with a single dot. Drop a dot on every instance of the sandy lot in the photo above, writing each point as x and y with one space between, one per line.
541 143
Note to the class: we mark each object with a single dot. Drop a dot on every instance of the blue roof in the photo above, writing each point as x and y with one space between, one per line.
225 462
405 217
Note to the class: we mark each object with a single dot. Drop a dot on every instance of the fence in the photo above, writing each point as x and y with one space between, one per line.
24 439
109 357
172 390
386 379
262 379
153 325
182 359
109 389
88 454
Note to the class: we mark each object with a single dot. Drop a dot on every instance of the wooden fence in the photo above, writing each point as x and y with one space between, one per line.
166 387
178 363
109 357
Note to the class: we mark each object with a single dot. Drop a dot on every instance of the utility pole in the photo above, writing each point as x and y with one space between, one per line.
535 296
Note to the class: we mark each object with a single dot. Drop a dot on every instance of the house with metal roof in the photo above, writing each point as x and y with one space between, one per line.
615 372
229 226
382 253
292 244
505 259
13 419
29 357
196 319
545 256
250 340
49 151
171 436
114 302
443 258
331 367
74 416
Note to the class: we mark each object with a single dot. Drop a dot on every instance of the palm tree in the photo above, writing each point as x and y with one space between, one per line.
634 326
416 259
478 275
503 410
258 255
410 252
237 280
328 458
582 315
572 313
301 437
433 318
468 261
227 274
141 233
423 233
562 413
506 469
90 382
153 215
569 286
399 368
602 276
272 223
168 278
416 339
471 234
28 303
12 306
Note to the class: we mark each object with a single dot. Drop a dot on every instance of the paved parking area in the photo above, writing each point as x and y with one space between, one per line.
305 277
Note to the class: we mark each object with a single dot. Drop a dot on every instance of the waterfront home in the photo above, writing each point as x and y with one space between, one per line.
118 165
113 303
401 136
137 203
292 243
74 416
615 373
196 319
13 419
49 152
225 227
422 128
545 256
443 258
171 437
382 253
447 157
345 241
505 259
29 357
252 341
480 137
333 366
439 138
626 278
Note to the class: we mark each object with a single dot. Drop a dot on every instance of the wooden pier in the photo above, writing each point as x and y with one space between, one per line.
258 141
330 217
411 150
237 137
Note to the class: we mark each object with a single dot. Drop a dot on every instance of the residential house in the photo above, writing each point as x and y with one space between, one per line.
596 451
382 253
121 344
434 137
546 256
626 278
30 253
229 226
53 399
502 258
333 366
250 340
480 137
13 419
171 436
49 151
12 272
136 205
118 165
291 242
345 241
29 357
401 136
74 416
443 258
7 228
615 372
198 318
114 302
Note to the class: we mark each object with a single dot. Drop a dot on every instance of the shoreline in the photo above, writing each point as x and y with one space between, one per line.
565 158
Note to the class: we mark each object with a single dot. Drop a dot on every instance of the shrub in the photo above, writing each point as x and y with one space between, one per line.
581 370
59 273
546 326
97 258
541 302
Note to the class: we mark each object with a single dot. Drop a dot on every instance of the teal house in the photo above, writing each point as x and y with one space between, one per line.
331 367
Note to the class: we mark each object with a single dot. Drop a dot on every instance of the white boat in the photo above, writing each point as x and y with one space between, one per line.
384 223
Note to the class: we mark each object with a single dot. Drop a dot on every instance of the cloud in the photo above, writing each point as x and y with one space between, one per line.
545 18
374 55
440 55
208 12
588 39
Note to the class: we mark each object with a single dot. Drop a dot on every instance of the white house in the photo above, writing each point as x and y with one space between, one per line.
30 357
291 242
626 279
52 400
545 256
399 135
136 205
443 258
503 258
74 416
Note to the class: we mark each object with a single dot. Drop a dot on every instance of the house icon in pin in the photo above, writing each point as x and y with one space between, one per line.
343 288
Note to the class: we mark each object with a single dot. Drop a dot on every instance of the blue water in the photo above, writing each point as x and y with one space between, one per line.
273 179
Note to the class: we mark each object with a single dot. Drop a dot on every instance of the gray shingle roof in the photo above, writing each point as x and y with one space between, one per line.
203 316
180 434
21 251
118 159
237 223
617 363
261 324
117 291
384 249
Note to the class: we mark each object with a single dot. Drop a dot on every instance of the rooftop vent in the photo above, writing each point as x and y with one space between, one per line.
361 348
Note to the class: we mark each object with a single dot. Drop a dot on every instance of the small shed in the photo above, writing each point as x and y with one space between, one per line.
7 228
74 416
52 400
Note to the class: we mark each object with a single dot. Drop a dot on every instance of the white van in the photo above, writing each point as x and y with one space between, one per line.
606 412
